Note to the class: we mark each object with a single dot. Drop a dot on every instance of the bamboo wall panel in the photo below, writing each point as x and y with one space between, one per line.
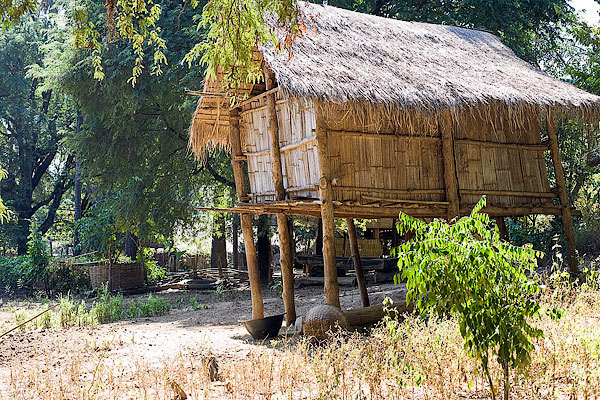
484 168
372 164
375 154
298 152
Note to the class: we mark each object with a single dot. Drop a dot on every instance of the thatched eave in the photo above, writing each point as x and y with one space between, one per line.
401 67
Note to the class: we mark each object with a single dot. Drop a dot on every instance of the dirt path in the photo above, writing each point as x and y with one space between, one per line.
214 330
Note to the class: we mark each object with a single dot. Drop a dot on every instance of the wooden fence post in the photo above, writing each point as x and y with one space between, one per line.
450 179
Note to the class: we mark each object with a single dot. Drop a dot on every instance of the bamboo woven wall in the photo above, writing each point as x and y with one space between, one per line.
375 157
297 146
482 167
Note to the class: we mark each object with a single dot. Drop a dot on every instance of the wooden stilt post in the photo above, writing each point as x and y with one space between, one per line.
450 179
360 275
502 228
562 194
332 292
285 254
245 219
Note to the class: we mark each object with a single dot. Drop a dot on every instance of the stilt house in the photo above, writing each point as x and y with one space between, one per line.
372 117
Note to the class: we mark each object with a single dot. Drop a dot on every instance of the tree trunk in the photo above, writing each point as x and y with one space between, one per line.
506 380
22 231
218 251
502 229
263 249
131 245
77 190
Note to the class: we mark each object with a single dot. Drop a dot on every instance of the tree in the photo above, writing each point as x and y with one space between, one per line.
34 120
464 268
143 164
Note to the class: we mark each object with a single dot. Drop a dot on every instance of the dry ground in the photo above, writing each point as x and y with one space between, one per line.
144 358
31 359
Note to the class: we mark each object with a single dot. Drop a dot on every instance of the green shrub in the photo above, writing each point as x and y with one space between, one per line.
150 307
19 317
155 272
195 304
464 268
15 272
106 307
67 311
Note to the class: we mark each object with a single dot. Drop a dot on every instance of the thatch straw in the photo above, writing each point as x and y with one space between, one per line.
414 67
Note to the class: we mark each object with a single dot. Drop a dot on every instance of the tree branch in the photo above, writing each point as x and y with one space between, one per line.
216 175
41 169
61 186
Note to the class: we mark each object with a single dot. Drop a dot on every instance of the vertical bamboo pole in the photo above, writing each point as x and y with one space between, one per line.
562 193
450 179
360 275
245 219
285 247
332 292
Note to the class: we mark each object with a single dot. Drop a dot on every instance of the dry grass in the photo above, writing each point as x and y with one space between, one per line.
411 359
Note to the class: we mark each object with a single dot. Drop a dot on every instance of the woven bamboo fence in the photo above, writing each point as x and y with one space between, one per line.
118 276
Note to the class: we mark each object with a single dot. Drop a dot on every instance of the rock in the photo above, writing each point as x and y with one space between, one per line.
321 321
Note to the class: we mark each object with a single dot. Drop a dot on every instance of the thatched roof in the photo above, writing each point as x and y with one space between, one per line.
420 67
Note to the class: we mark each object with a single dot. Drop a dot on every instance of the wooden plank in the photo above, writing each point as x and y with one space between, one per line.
475 192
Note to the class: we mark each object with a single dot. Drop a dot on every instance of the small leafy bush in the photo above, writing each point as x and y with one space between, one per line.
151 307
155 272
465 269
106 307
15 272
195 305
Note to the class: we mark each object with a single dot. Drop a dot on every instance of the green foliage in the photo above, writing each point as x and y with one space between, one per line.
276 286
11 11
15 272
98 232
106 307
144 172
235 28
35 117
4 213
154 272
195 305
110 308
129 20
38 250
19 317
464 268
150 307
